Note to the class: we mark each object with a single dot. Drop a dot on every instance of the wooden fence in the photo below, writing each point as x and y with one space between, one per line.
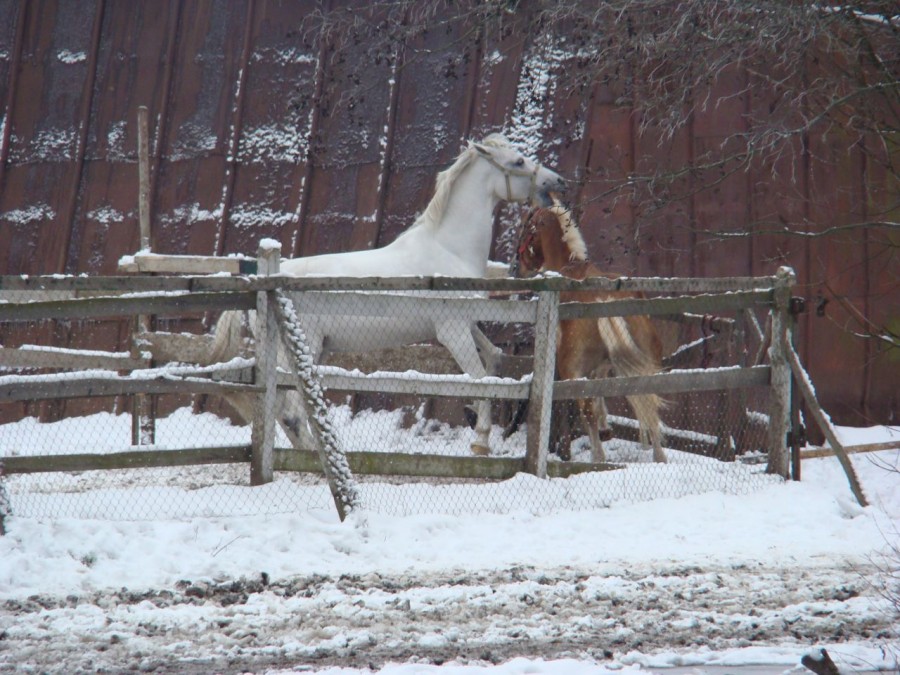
138 373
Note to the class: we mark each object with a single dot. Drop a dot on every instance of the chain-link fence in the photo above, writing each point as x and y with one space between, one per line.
404 376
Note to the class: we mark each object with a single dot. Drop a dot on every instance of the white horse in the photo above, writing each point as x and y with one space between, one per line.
452 237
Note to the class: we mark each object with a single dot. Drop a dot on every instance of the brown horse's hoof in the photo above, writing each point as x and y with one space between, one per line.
480 450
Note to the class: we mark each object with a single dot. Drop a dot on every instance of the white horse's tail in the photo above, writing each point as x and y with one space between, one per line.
629 359
231 337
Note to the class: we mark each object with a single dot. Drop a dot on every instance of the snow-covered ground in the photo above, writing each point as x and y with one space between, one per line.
702 582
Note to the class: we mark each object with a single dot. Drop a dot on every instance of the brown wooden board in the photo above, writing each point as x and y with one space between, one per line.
271 129
882 395
835 358
189 189
131 71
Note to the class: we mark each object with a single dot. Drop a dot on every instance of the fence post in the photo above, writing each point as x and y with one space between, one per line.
262 435
780 385
541 397
143 414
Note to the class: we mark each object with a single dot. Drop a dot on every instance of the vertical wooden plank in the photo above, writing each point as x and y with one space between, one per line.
541 397
262 434
882 395
721 212
835 356
12 19
608 215
192 176
235 129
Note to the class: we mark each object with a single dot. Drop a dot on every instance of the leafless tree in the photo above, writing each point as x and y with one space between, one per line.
830 76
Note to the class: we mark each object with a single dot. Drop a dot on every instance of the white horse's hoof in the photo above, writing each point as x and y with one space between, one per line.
480 449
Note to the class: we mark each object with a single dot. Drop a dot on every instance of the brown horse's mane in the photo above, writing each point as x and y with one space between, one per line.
571 234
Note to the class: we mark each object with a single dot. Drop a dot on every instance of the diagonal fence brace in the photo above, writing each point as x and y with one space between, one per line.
331 455
801 377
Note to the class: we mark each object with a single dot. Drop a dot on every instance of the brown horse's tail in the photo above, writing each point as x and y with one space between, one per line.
630 359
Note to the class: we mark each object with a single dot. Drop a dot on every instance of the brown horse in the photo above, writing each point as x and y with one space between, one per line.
625 346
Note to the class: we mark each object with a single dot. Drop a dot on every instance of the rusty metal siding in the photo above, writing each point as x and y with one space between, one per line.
253 137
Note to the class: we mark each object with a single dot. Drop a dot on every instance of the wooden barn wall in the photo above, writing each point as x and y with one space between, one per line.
251 139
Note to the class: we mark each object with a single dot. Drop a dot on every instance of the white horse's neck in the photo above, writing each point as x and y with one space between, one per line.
466 227
456 238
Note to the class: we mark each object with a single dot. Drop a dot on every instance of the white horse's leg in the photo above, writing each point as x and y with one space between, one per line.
490 353
290 412
458 338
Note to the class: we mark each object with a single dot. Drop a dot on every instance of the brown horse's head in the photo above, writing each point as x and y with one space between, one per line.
530 249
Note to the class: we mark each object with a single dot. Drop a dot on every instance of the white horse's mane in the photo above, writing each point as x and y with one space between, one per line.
434 212
571 234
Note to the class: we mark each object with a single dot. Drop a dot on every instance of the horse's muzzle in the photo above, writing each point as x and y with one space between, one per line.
550 196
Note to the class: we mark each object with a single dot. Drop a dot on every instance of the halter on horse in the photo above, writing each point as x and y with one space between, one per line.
452 237
627 346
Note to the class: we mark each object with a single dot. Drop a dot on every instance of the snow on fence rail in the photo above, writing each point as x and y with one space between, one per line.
726 422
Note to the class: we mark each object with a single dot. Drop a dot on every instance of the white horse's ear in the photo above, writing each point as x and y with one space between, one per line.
480 148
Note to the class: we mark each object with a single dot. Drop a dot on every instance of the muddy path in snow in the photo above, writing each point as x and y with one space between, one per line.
251 625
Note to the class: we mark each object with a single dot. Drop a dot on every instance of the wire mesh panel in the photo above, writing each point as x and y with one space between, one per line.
406 390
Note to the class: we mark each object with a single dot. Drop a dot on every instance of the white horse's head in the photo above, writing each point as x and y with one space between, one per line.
516 178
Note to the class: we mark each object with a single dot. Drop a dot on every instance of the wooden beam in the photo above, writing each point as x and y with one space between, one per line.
761 285
42 387
37 356
350 303
664 383
132 459
668 306
455 386
155 263
850 449
96 308
303 461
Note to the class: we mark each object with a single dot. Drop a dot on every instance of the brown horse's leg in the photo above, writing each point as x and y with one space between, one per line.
604 433
591 413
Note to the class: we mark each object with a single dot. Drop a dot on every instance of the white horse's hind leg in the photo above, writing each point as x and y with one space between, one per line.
490 353
458 337
290 412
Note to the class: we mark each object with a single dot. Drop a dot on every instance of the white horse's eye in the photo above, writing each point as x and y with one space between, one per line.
520 162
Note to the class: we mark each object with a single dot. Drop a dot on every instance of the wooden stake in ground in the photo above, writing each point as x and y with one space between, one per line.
331 455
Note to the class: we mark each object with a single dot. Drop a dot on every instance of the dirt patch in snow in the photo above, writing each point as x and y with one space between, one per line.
248 625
